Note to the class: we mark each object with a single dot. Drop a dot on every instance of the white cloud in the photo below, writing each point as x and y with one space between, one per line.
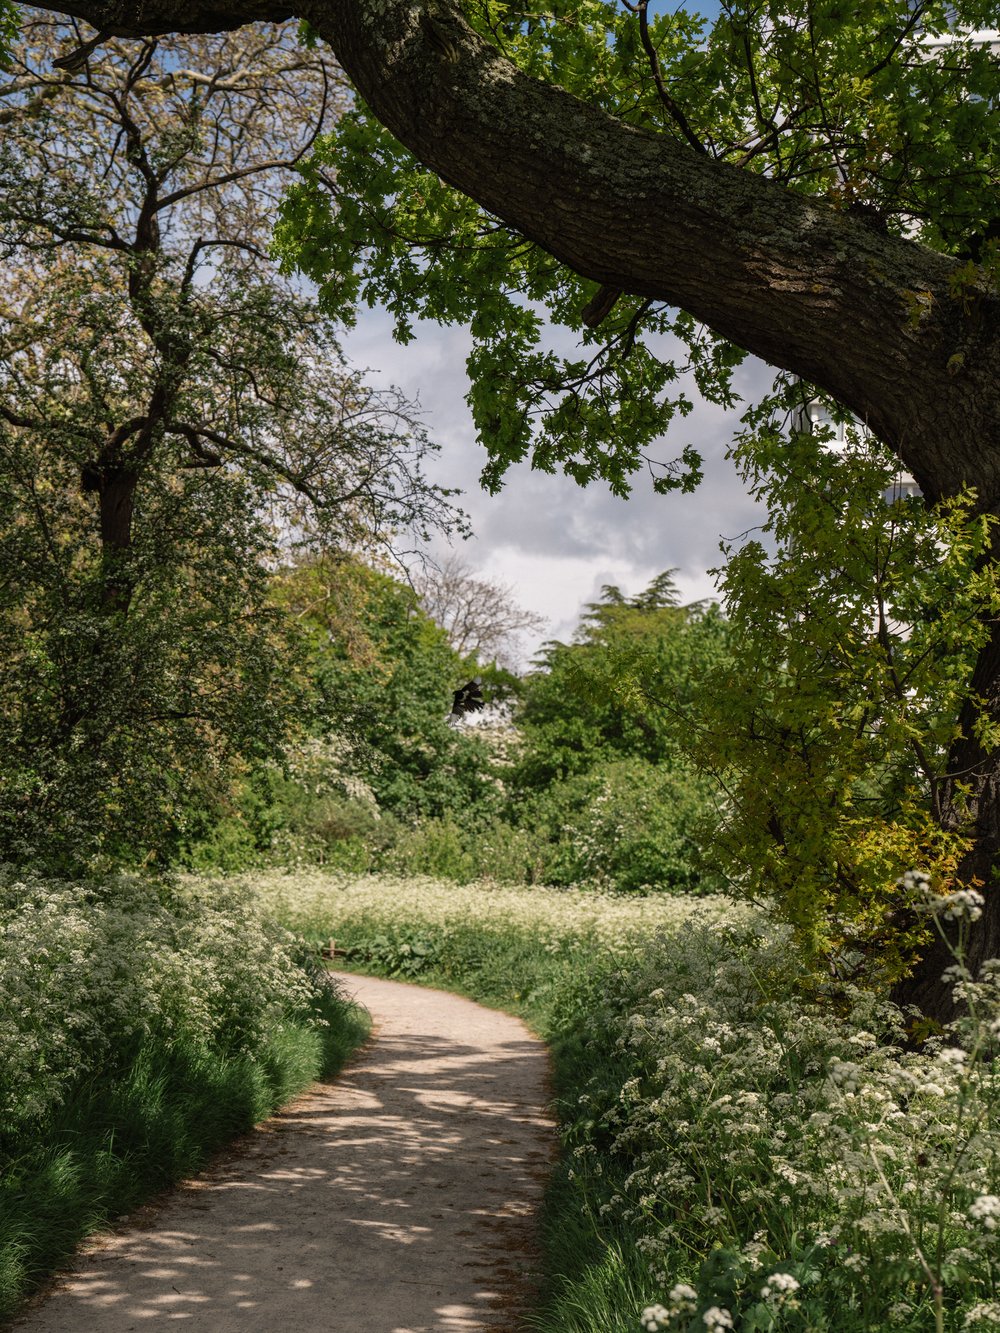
554 543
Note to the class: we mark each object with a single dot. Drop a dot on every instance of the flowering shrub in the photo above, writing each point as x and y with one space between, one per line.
358 907
87 971
779 1155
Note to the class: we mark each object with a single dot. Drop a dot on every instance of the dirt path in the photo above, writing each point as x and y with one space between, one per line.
402 1198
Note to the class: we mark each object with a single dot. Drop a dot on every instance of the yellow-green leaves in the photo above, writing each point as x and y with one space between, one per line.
855 625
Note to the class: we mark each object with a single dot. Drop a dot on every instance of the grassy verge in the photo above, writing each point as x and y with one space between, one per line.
543 954
745 1148
141 1043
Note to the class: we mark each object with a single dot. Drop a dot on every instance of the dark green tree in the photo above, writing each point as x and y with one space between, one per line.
171 412
625 687
605 771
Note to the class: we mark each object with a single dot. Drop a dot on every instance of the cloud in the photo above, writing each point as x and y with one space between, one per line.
553 542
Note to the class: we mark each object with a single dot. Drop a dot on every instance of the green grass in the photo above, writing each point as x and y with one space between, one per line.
114 1143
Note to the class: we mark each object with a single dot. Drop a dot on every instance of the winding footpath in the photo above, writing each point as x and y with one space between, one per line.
402 1198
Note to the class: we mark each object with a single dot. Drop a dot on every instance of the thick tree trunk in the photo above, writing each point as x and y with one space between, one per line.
117 506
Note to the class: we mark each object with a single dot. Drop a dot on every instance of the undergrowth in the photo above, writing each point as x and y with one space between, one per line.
745 1148
144 1027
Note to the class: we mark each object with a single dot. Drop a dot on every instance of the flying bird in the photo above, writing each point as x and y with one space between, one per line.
468 699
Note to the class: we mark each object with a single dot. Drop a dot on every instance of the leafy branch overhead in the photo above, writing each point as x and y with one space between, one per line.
848 158
878 126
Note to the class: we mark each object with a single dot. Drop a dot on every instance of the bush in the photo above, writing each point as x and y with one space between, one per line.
144 1024
465 850
628 825
90 969
780 1155
314 813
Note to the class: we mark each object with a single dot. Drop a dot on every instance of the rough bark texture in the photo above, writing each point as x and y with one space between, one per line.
816 291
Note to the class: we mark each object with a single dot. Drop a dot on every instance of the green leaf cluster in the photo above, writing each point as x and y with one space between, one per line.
603 774
385 674
10 19
885 108
370 225
855 624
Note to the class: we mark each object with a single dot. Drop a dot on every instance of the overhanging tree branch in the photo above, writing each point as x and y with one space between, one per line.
775 272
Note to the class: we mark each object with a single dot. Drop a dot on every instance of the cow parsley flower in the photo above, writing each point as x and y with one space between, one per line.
653 1318
986 1209
717 1320
964 904
987 1312
779 1286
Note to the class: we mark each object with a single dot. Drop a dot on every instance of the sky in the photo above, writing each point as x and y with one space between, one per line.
551 542
554 544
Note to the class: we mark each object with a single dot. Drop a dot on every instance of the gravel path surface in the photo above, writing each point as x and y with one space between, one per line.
401 1198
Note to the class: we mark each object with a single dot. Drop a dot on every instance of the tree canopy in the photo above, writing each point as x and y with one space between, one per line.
172 413
754 237
625 684
866 113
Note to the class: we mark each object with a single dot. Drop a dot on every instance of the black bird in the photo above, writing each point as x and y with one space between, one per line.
468 699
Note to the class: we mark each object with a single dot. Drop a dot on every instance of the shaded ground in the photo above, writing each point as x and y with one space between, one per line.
401 1198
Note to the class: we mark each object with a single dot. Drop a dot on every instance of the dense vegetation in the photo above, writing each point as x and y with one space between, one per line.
144 1025
213 661
746 1146
567 781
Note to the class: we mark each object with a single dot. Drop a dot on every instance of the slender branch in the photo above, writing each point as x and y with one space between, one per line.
255 455
275 164
16 419
680 120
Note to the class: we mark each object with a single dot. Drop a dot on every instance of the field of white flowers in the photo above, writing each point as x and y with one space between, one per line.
747 1147
313 902
781 1158
750 1148
142 1024
86 969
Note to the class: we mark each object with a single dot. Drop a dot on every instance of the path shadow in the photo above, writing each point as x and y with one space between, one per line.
400 1199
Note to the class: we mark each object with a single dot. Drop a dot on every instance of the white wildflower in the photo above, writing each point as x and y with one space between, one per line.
717 1320
683 1298
965 903
986 1209
780 1286
953 1055
988 1312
